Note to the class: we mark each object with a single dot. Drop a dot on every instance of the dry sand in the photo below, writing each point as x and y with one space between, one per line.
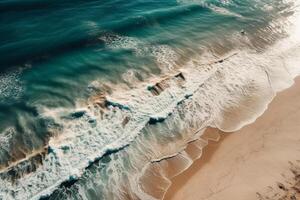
261 161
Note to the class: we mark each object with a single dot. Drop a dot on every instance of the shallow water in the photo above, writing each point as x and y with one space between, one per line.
92 93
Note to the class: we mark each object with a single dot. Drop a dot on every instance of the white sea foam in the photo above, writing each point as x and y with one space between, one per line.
217 9
10 85
5 138
165 56
224 11
123 42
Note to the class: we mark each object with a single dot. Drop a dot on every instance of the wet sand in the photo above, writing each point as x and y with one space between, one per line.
257 162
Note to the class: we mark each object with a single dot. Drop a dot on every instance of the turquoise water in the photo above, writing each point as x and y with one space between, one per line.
58 57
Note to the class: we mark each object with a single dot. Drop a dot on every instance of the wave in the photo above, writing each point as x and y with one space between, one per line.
217 94
46 46
165 56
213 6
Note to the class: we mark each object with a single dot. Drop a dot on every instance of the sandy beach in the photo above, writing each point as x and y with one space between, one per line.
261 161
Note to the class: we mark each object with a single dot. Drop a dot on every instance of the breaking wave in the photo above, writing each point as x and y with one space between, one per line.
155 120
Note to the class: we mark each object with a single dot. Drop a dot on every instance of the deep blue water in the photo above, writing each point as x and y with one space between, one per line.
53 42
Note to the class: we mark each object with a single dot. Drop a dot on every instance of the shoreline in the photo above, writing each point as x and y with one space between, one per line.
219 173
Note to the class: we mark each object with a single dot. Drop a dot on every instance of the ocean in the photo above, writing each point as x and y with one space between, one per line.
99 99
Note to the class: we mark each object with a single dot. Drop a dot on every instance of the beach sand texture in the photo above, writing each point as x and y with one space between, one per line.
261 161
